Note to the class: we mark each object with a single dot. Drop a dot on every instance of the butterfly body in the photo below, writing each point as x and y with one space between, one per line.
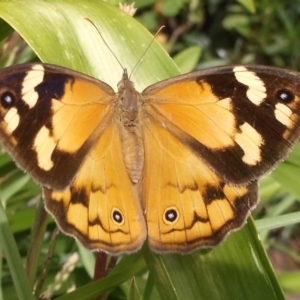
129 110
177 164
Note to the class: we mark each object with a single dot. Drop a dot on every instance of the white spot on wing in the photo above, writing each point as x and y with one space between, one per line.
33 78
44 144
283 114
12 119
250 141
256 88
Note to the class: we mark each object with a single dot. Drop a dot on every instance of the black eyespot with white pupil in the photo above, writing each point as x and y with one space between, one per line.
7 100
285 96
171 215
117 216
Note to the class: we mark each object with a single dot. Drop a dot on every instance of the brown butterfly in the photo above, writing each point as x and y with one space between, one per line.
177 164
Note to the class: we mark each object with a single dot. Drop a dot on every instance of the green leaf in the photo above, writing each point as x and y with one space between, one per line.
288 172
238 22
187 59
171 7
248 4
124 270
133 291
12 256
5 30
276 222
290 281
230 271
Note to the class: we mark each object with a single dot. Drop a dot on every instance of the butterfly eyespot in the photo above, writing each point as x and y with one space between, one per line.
285 95
7 100
171 215
117 216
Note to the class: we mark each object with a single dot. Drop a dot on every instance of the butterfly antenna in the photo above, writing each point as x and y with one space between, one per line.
140 59
105 42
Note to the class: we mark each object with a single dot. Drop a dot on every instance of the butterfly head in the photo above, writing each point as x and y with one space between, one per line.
124 82
128 96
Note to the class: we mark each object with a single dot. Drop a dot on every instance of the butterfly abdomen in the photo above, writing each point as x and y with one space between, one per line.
133 152
130 131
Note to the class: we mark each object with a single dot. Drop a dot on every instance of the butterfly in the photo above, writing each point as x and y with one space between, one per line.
177 164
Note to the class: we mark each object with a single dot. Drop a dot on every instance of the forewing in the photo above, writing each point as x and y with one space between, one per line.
240 120
50 117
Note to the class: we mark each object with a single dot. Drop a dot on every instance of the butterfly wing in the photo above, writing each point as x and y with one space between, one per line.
61 127
245 118
49 121
101 207
187 204
215 133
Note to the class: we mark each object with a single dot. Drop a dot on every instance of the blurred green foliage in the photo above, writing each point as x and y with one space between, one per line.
229 32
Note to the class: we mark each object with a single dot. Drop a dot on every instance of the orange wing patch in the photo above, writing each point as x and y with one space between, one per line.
80 111
194 101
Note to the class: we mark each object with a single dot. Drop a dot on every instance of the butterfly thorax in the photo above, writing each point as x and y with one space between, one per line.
129 103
